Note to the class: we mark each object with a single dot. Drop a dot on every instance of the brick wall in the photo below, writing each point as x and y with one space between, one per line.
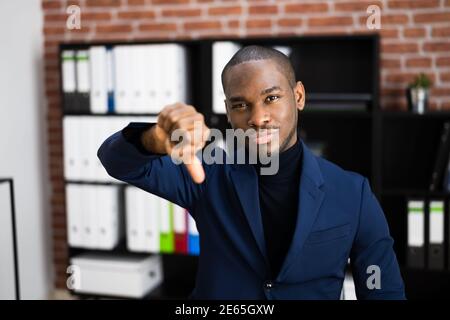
415 37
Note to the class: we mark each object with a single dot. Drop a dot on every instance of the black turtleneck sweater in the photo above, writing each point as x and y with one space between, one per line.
278 198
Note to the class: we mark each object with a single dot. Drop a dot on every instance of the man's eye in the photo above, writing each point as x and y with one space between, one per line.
272 98
239 106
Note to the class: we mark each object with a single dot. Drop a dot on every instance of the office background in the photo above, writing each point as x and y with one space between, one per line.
414 37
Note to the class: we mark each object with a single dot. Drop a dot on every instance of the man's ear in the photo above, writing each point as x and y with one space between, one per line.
299 92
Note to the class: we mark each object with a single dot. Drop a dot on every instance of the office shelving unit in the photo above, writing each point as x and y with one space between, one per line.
394 150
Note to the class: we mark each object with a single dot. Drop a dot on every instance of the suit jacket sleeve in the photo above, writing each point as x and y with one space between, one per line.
372 249
125 160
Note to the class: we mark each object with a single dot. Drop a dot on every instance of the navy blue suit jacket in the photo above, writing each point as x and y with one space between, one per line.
338 218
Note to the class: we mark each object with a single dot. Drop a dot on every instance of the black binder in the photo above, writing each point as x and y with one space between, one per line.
415 251
436 247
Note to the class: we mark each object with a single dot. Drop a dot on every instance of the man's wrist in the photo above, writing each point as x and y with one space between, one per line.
151 139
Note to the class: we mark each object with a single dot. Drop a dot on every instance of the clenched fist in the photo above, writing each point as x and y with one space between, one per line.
180 133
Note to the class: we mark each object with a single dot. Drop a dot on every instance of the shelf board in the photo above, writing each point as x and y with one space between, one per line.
336 113
121 249
414 192
110 114
95 183
410 115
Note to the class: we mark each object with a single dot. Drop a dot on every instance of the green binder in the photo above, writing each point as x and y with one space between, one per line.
167 241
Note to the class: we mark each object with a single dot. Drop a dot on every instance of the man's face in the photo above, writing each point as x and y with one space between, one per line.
259 96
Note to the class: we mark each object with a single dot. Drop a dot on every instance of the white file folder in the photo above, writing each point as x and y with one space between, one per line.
108 228
150 223
68 71
99 76
416 233
74 218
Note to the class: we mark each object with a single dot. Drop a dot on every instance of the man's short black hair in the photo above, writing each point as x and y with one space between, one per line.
252 53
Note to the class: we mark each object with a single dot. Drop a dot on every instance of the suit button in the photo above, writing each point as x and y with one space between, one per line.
268 285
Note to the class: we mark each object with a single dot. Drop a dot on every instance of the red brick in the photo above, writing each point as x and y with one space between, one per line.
437 46
394 19
95 16
432 17
445 76
418 62
51 4
306 8
114 28
389 33
400 77
170 1
399 47
260 23
290 22
355 6
233 24
135 2
412 4
414 33
443 91
235 10
103 3
443 61
181 12
74 2
263 9
330 21
158 27
390 64
55 30
138 14
441 32
202 25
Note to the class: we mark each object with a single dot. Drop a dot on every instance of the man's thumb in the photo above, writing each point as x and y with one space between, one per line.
195 169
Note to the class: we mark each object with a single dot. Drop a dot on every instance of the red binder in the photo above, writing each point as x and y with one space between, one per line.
180 229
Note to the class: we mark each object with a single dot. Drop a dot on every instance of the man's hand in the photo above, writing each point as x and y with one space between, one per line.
185 121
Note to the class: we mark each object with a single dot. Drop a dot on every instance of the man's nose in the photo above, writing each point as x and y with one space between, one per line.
259 116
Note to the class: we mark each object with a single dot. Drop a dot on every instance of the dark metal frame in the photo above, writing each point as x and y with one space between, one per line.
14 235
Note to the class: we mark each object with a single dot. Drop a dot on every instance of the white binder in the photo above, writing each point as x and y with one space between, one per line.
68 71
133 220
150 223
74 218
90 215
83 83
108 228
99 76
122 79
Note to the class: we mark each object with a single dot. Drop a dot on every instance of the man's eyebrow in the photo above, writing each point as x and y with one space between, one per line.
263 92
236 99
269 90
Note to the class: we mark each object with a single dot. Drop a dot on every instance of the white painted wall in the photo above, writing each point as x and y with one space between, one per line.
23 147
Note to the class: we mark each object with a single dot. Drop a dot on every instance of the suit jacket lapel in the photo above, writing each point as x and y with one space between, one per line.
246 185
310 199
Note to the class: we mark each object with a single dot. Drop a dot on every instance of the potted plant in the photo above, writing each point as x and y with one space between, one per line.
418 93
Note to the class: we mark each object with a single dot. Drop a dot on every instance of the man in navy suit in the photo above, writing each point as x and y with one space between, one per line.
287 235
